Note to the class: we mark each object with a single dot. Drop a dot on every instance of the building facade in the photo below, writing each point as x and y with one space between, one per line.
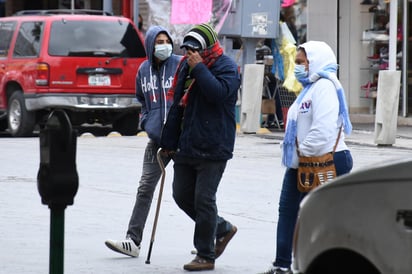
359 32
341 23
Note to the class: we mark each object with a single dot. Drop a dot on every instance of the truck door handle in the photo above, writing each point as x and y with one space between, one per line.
406 216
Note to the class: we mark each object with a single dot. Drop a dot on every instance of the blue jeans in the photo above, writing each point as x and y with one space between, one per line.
151 173
290 198
195 185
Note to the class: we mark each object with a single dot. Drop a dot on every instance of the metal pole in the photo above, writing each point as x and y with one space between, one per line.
136 12
249 51
405 49
107 6
393 27
126 8
56 240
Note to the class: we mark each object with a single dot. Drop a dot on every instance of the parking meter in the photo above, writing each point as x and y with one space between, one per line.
251 21
57 178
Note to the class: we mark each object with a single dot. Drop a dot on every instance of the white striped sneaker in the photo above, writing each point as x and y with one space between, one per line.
126 247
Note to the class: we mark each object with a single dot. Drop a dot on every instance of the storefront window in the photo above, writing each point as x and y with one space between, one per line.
78 4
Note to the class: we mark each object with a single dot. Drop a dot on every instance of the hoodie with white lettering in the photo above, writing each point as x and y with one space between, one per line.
153 81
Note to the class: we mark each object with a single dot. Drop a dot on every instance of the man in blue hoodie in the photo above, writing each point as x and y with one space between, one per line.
153 80
205 90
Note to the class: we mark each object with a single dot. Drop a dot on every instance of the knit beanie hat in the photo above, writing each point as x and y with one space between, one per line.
204 34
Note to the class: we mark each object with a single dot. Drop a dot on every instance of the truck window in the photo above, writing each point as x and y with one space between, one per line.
6 34
28 39
94 38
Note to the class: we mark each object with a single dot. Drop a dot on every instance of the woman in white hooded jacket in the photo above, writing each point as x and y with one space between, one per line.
315 119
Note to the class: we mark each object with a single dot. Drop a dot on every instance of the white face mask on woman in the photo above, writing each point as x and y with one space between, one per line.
163 51
300 72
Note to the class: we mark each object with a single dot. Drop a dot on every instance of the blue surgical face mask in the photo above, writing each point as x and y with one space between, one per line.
163 51
300 72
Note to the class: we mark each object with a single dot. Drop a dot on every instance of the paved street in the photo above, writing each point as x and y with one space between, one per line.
109 168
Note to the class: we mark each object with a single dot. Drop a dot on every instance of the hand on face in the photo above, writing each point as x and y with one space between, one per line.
193 58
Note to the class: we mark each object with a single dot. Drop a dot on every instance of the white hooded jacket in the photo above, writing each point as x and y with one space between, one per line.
317 114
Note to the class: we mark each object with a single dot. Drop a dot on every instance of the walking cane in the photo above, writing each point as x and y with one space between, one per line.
159 200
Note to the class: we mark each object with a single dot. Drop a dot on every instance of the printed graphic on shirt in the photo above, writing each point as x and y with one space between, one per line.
150 85
305 106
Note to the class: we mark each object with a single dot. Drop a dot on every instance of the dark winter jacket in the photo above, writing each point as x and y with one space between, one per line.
152 83
209 122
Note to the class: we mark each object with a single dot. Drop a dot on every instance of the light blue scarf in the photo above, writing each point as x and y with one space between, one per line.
289 142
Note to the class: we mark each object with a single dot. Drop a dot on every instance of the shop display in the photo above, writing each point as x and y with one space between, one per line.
377 38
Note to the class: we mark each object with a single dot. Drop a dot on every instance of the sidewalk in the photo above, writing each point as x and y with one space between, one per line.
364 130
362 134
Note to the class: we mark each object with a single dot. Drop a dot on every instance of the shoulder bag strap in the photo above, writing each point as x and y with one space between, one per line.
334 147
337 139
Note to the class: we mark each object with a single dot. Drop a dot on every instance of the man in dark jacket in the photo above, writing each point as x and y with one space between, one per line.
205 89
153 81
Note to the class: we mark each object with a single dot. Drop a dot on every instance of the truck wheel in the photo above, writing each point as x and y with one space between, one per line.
20 121
128 124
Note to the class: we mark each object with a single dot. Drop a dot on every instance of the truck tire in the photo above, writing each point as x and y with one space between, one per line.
128 124
20 121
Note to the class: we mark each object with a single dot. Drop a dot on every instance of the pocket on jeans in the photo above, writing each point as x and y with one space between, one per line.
349 160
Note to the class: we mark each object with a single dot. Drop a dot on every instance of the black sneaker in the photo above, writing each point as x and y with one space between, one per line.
275 125
277 270
271 125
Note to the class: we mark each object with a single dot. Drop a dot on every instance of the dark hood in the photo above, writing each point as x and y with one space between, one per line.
151 34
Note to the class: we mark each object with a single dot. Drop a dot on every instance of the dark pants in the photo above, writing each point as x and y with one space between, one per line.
279 113
195 185
274 93
289 201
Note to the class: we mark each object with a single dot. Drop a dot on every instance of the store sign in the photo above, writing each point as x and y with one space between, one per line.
191 12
